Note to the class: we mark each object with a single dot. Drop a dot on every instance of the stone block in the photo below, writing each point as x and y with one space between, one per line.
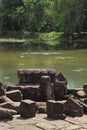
31 92
60 86
46 89
84 106
73 108
55 109
27 109
33 75
14 95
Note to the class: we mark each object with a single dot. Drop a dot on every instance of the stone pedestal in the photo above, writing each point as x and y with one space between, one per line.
27 108
60 86
55 109
46 89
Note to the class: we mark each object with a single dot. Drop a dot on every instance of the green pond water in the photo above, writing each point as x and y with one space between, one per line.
72 63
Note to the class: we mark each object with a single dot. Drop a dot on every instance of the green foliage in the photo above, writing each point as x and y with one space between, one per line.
68 16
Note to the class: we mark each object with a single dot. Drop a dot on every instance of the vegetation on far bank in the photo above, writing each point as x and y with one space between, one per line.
56 40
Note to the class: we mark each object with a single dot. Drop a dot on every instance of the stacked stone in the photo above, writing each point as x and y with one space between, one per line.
42 91
34 75
60 86
46 88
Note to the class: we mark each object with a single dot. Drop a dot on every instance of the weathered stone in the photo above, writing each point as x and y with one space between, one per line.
10 88
6 110
31 92
14 95
5 113
81 94
27 108
4 99
2 89
73 108
55 109
41 107
74 91
11 105
84 106
28 91
46 89
34 75
60 86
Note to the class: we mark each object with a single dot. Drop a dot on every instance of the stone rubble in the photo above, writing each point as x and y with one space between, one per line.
42 91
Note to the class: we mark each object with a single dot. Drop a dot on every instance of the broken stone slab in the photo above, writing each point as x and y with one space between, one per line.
11 105
46 89
2 89
30 91
41 107
14 95
27 108
7 113
4 99
60 86
33 75
73 108
74 91
56 109
84 106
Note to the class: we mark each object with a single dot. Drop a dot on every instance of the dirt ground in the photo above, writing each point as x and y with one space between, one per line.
41 122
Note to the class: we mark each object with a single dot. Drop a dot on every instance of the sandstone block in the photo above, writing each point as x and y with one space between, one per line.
55 109
34 75
73 108
14 95
46 89
60 86
7 113
27 108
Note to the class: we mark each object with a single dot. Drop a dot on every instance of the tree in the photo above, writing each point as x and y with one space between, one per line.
11 20
68 15
1 15
34 14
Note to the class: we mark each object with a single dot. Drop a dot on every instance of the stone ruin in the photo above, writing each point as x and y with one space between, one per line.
42 91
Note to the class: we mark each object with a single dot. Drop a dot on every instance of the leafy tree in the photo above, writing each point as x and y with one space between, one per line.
34 14
68 15
11 21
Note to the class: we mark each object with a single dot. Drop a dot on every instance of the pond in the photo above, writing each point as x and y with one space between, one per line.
72 63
